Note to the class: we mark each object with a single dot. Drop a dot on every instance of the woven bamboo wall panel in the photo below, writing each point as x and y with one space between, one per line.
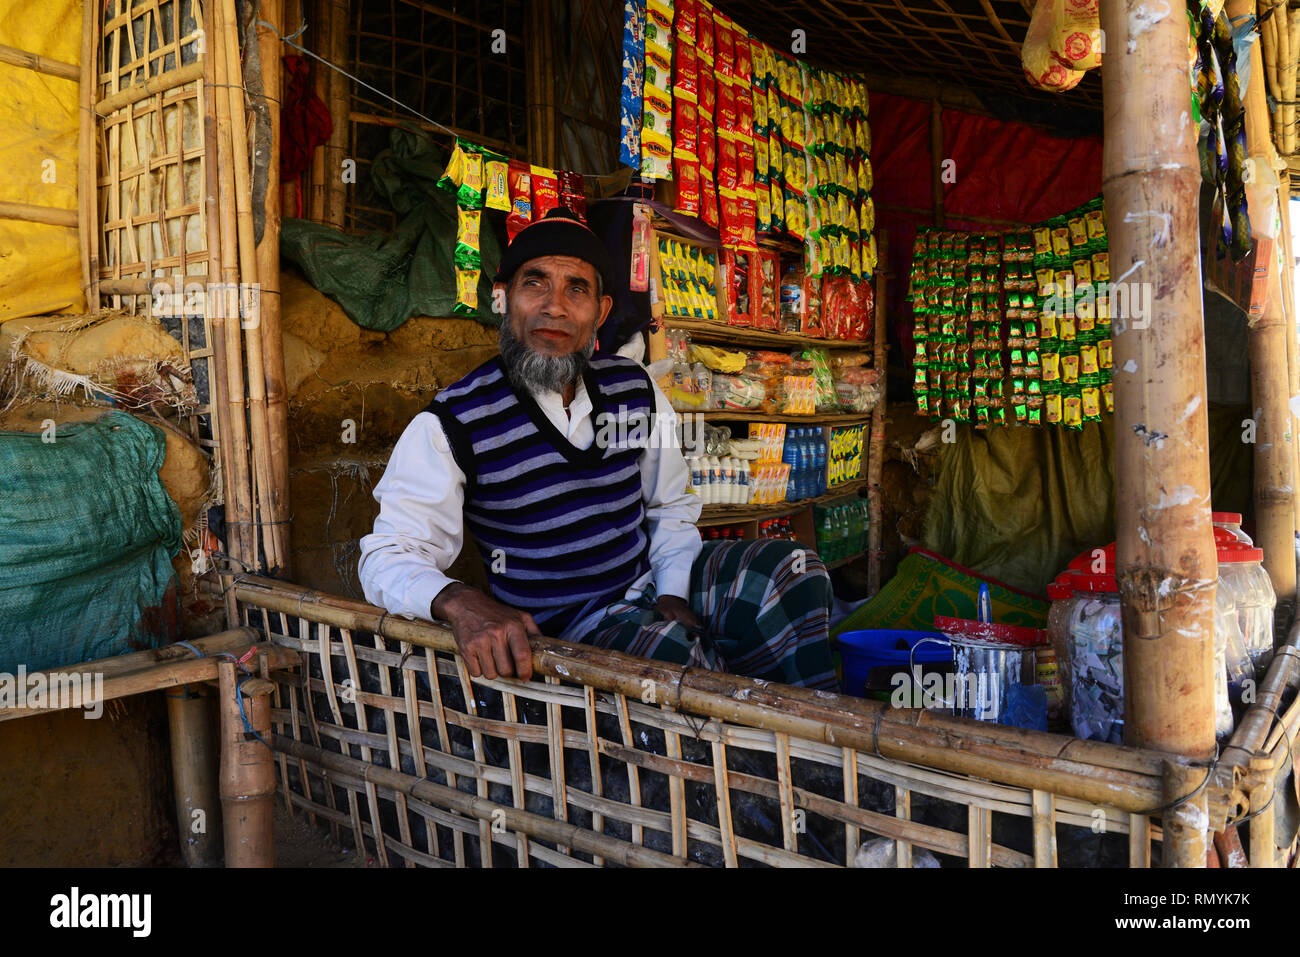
152 157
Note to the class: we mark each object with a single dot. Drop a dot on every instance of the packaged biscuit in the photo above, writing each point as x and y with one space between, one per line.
704 33
686 73
466 293
463 176
725 115
708 199
521 198
724 46
656 154
496 194
466 254
660 14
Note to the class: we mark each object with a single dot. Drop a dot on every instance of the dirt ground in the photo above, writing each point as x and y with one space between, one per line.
298 844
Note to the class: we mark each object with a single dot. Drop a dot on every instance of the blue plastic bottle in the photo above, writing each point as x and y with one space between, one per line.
820 438
790 456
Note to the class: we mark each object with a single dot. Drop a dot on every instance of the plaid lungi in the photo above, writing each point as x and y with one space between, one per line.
765 607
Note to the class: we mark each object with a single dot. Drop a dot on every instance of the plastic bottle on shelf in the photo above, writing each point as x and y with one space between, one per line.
746 490
790 456
820 438
715 480
791 298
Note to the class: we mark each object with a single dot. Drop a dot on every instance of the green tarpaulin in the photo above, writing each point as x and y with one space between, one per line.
87 532
1017 504
383 279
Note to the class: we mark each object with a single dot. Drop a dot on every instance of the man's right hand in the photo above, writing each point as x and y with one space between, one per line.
492 637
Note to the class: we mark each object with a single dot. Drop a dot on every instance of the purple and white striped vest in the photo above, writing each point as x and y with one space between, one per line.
561 530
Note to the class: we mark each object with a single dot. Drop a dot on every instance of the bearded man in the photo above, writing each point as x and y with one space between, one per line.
584 537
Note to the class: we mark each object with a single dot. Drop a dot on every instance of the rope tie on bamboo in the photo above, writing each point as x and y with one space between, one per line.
248 725
1179 802
1290 750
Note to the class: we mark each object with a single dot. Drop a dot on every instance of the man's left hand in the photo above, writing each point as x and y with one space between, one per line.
677 609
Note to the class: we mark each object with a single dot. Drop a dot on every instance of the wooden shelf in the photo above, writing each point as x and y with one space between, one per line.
829 418
745 336
840 562
734 514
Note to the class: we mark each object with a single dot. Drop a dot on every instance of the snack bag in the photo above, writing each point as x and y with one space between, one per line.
521 198
466 255
497 192
466 293
546 191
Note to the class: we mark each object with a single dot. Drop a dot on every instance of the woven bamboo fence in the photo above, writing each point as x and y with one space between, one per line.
384 737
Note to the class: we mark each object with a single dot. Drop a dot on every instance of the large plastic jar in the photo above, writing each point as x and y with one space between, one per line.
1058 637
1096 659
1227 637
1230 522
1241 572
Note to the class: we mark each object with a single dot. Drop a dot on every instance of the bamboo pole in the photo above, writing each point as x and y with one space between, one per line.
876 448
155 84
194 775
268 271
239 487
1166 561
48 215
936 160
1270 379
540 86
272 536
320 80
41 64
247 770
88 159
1167 568
1187 837
1124 778
1289 39
336 192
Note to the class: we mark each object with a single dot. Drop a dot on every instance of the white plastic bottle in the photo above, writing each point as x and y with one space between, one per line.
746 492
715 481
731 480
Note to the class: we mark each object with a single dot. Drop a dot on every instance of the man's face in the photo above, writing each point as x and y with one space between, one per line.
552 314
553 307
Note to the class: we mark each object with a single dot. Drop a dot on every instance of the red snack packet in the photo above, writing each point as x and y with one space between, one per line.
745 165
685 14
724 55
572 192
747 223
686 73
521 198
708 92
744 58
708 199
725 112
688 187
744 94
546 191
685 128
708 145
729 216
704 31
728 168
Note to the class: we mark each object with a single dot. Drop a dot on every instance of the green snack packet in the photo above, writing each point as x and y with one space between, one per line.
466 254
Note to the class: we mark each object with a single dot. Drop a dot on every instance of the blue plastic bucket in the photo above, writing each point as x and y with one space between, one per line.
887 652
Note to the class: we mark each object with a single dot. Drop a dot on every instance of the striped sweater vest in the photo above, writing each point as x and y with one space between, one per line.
561 530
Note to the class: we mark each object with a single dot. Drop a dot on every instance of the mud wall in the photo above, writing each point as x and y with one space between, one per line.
352 392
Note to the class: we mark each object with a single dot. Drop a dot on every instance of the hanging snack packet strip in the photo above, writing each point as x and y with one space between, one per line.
520 183
657 101
630 95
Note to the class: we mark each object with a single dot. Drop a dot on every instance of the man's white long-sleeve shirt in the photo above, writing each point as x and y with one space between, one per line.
420 527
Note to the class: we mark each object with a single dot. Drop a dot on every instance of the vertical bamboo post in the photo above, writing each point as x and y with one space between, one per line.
194 775
541 85
268 271
1263 837
336 194
320 45
1185 826
272 535
1167 568
223 269
936 159
876 447
88 158
1270 375
247 769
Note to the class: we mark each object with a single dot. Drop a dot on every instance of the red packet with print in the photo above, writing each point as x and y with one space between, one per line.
685 129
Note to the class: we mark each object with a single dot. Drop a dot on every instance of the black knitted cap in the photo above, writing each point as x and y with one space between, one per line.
560 233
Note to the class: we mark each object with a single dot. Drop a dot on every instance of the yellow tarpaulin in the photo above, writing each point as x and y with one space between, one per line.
40 267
